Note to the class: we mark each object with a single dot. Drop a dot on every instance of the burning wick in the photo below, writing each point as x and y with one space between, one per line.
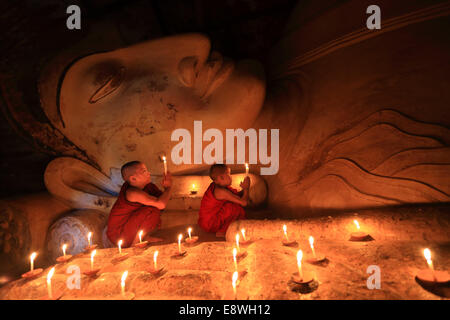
140 236
92 259
49 282
155 257
311 243
165 164
299 263
246 169
64 249
237 242
180 236
120 246
243 234
356 224
234 280
122 282
285 233
189 232
89 238
234 258
32 257
427 254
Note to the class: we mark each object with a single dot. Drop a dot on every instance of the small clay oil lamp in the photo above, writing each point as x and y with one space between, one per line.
125 295
120 256
51 295
155 270
92 272
141 244
244 240
286 241
234 283
180 253
33 272
193 190
190 239
301 277
65 257
316 258
430 275
358 235
90 246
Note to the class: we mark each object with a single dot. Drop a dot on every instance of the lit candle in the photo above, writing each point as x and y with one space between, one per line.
179 242
120 246
189 232
299 263
32 257
285 233
155 257
89 238
92 259
165 165
49 282
234 280
234 258
427 254
356 224
122 282
64 249
246 169
311 242
237 242
243 234
140 236
193 187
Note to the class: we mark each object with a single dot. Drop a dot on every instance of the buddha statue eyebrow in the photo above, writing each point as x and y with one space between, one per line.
61 79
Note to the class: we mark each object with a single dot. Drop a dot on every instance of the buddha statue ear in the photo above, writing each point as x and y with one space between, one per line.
82 186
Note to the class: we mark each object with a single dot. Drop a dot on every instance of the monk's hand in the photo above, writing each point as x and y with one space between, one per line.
246 183
167 181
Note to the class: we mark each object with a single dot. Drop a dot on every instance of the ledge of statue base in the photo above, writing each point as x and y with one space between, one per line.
31 274
318 259
292 243
90 248
56 295
360 236
63 259
191 240
433 277
141 245
179 255
156 272
120 257
91 273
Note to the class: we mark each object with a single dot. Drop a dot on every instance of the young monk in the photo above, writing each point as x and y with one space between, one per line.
138 205
222 204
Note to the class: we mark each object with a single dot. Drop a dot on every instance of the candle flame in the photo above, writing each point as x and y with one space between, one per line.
299 257
50 275
120 245
356 224
33 256
93 253
124 277
246 166
189 231
234 279
155 256
427 254
243 233
193 186
234 253
311 241
180 236
284 228
89 237
164 158
64 247
140 235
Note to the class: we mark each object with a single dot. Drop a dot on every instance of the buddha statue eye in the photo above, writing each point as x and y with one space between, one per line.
110 83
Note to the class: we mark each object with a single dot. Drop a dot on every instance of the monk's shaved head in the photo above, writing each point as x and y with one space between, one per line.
129 169
216 170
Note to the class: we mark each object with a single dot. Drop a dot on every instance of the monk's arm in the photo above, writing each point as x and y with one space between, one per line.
224 194
140 196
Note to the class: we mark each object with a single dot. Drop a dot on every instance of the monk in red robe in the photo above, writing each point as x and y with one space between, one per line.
222 204
138 205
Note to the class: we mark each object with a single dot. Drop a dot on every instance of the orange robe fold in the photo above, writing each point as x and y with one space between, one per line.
128 218
216 215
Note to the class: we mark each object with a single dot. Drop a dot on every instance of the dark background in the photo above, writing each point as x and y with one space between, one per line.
32 29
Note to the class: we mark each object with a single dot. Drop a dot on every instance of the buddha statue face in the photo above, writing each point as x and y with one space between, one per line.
124 104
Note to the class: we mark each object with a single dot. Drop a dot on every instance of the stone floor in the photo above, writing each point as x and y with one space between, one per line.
206 272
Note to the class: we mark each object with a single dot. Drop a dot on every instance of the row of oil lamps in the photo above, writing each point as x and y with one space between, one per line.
429 275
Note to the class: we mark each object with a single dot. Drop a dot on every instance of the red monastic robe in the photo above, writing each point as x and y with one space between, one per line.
128 218
216 215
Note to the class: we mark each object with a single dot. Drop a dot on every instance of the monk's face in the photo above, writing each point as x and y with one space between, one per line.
224 179
141 175
124 104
